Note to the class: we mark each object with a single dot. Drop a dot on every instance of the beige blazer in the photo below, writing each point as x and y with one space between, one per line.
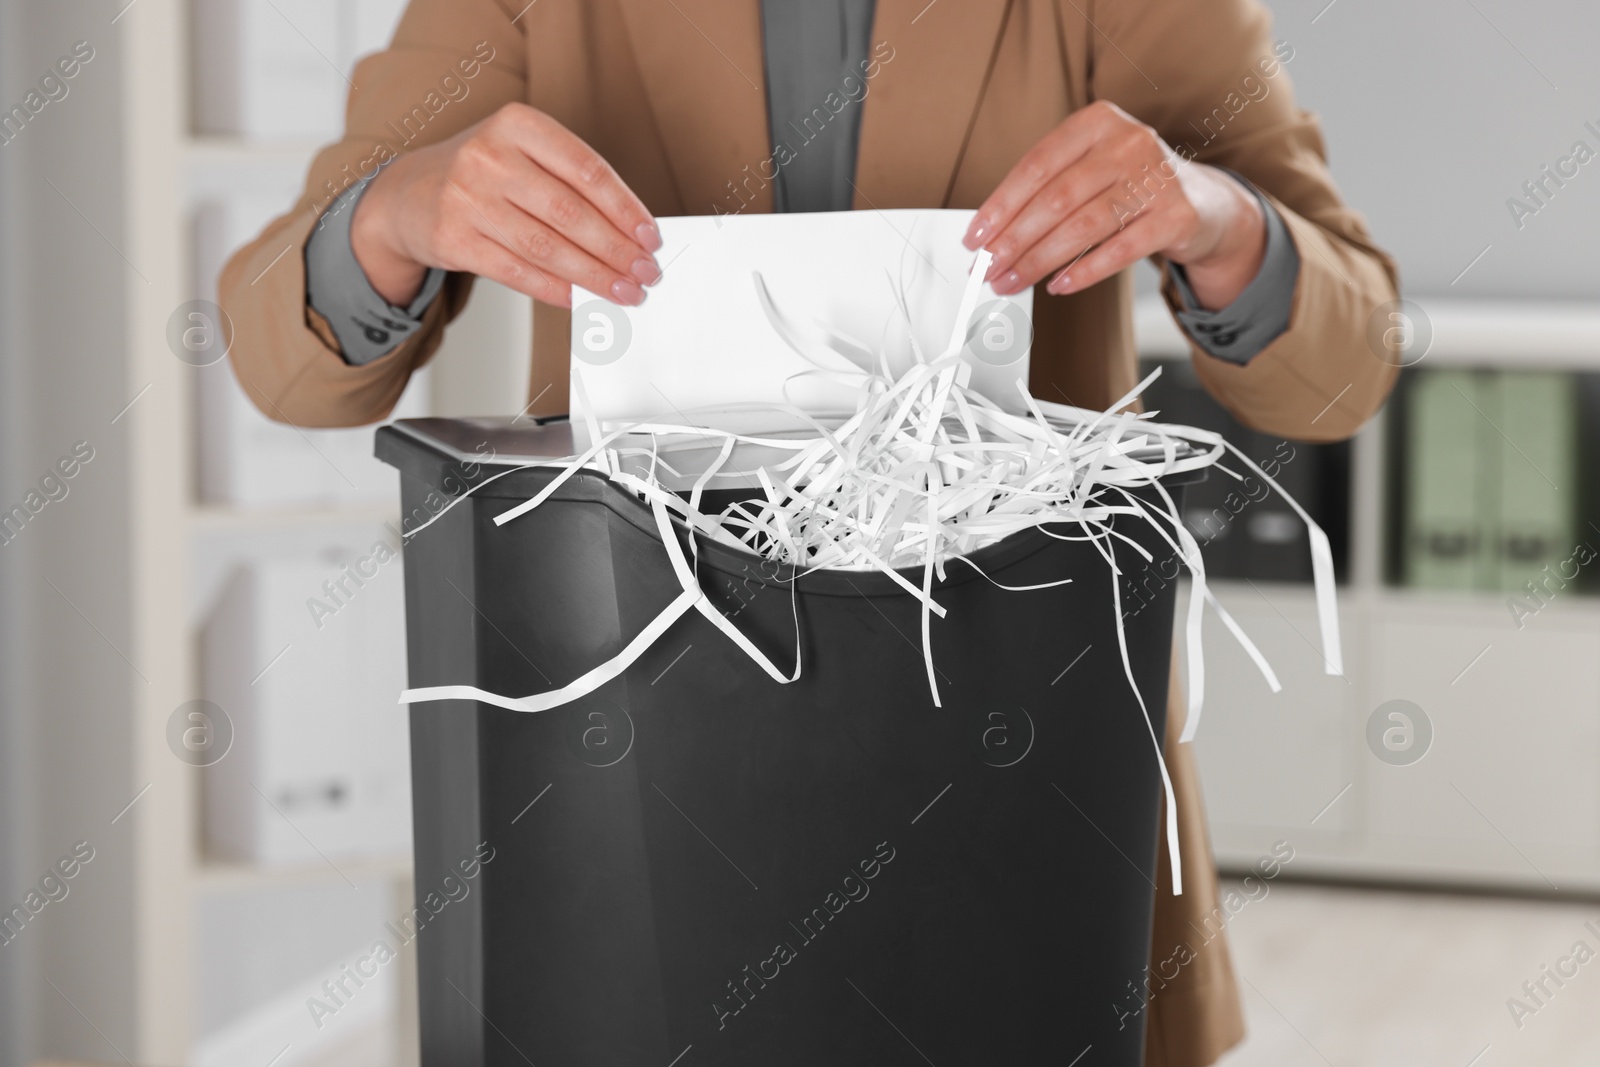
671 92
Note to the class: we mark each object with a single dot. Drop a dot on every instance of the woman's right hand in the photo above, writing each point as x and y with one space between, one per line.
517 198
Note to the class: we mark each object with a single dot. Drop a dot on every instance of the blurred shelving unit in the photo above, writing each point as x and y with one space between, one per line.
1508 795
214 876
189 545
168 170
165 857
203 151
1494 333
223 519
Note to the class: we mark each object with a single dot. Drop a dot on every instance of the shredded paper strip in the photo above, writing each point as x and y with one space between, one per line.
921 475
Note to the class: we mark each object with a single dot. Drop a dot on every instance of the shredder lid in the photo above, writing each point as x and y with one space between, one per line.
682 458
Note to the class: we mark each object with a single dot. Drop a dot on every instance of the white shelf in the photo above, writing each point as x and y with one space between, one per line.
216 876
1529 334
224 518
1513 334
209 151
1567 603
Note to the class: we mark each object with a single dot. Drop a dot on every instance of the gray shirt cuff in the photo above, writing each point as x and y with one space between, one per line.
1261 313
367 326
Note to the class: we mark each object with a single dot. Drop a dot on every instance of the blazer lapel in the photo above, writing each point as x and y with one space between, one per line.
701 61
935 60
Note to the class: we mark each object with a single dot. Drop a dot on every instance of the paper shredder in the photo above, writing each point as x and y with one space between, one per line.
696 865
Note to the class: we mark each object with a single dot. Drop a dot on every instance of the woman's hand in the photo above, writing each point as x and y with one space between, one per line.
1101 191
517 198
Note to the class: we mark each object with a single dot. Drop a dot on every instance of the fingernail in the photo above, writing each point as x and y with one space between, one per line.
625 292
975 233
646 271
994 271
1058 284
648 236
1009 284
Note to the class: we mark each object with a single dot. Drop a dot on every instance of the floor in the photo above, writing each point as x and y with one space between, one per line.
1342 977
1346 977
376 1047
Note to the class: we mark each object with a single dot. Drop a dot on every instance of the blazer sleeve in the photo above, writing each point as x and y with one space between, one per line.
451 64
1207 76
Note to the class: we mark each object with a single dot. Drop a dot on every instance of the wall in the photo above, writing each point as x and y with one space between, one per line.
13 791
1437 113
1433 120
66 689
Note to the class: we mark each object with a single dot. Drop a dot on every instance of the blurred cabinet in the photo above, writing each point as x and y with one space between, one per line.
306 659
1512 776
1506 792
227 511
1271 761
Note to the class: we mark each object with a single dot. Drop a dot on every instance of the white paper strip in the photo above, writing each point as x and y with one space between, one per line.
926 470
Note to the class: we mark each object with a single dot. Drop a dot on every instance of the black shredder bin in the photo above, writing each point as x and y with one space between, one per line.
697 865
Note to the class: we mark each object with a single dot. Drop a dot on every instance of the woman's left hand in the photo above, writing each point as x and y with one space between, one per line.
1103 190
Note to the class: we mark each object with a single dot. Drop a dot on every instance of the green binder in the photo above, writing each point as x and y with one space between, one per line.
1538 441
1451 484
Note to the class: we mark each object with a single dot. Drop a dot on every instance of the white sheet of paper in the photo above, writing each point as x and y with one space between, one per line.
701 342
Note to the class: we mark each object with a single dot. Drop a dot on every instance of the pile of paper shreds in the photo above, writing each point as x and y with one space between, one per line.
922 474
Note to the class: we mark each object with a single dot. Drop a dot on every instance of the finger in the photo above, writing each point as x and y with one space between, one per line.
1128 245
488 258
547 198
567 156
1068 191
1059 149
545 249
1078 232
1087 227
